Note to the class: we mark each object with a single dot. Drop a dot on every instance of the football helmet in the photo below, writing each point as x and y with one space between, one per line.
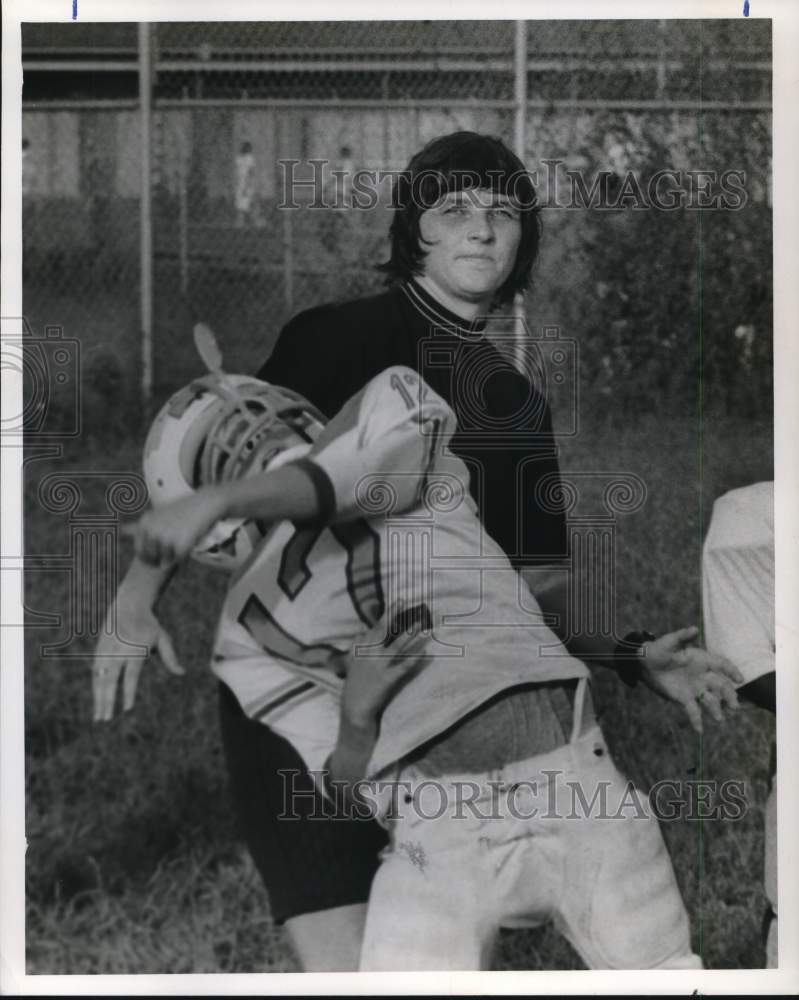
220 428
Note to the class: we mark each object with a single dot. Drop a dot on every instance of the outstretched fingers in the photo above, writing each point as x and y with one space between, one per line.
694 713
166 650
723 666
685 635
105 674
712 704
723 688
131 682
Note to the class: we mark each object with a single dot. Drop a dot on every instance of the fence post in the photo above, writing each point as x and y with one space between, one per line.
288 238
519 146
146 215
183 204
661 63
288 261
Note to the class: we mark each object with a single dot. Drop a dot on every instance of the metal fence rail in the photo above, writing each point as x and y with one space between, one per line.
156 164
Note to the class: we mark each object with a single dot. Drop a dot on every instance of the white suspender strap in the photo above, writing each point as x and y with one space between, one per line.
579 702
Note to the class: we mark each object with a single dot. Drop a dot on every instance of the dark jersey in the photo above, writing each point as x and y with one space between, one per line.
504 425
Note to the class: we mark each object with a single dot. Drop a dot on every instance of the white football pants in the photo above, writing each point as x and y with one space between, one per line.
561 836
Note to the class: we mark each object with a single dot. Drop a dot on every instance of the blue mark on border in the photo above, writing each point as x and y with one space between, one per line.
75 10
746 8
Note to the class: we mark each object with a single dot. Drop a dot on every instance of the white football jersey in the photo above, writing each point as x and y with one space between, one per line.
399 566
738 579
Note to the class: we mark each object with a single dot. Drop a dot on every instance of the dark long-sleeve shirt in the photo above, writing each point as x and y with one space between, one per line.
504 425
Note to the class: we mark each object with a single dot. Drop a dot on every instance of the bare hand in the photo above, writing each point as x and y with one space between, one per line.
123 653
371 682
690 676
166 535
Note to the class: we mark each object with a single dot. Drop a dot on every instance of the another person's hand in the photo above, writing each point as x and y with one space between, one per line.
690 676
166 535
123 651
371 682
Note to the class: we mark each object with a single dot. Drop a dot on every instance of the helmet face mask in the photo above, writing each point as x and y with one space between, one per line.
250 435
220 429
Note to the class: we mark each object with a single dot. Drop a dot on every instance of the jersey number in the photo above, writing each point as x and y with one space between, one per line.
364 586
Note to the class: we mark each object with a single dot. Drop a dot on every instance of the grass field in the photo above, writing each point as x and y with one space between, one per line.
134 863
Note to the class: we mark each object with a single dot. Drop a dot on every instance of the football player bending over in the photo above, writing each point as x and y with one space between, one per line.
738 600
359 552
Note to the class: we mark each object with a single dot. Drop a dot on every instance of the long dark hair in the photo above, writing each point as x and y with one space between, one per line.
451 163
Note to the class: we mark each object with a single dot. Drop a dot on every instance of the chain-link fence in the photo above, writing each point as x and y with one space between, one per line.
247 118
650 143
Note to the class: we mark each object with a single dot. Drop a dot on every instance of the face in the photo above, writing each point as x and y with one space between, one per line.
473 239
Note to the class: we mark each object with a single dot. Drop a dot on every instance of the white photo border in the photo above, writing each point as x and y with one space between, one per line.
13 980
